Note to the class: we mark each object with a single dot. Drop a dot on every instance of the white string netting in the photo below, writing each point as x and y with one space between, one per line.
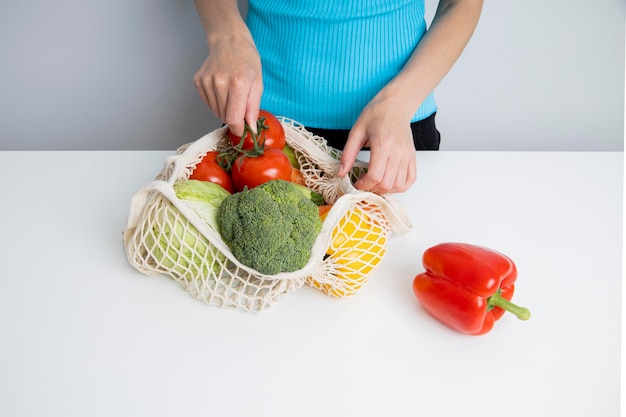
357 246
166 236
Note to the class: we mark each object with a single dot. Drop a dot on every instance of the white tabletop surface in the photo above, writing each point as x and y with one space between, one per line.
82 333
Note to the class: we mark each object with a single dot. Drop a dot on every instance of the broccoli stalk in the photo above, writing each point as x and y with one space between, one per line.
314 196
271 227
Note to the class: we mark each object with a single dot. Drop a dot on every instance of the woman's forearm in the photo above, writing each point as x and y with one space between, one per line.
451 29
230 79
221 21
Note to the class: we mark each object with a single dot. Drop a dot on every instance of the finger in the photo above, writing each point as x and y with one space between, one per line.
204 87
388 172
235 118
375 174
197 81
403 177
254 104
211 101
411 175
368 182
400 183
350 151
238 109
217 88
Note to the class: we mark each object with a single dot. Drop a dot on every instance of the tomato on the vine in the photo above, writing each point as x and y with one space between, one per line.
270 133
208 169
250 171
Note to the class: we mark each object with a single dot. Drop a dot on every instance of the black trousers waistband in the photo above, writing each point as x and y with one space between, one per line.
425 135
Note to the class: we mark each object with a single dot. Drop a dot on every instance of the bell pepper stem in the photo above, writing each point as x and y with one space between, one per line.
497 300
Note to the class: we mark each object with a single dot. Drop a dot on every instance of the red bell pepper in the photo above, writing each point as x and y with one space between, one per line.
467 287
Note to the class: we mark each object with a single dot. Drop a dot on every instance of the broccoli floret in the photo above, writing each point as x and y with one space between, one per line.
271 227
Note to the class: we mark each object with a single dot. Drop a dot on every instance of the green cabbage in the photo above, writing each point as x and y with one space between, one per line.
205 197
176 244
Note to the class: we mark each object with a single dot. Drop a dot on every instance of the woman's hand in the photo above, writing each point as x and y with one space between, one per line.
392 165
230 83
384 124
230 80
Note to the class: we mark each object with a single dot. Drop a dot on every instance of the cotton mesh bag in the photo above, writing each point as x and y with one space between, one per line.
166 235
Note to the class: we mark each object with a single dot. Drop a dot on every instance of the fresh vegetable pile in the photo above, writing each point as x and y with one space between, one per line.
241 221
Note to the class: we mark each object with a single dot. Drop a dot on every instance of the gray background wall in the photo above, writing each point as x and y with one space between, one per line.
117 74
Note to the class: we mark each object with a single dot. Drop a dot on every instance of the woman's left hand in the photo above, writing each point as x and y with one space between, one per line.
384 124
392 164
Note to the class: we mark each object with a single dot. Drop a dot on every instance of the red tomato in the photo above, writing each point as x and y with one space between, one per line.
250 171
209 170
270 131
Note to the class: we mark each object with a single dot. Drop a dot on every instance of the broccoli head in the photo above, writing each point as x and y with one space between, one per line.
271 227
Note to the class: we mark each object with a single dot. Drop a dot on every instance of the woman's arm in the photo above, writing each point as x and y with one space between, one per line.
230 80
384 124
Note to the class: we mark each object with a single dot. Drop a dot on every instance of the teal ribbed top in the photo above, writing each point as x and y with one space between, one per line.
323 61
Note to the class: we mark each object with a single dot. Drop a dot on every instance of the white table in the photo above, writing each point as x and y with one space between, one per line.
84 334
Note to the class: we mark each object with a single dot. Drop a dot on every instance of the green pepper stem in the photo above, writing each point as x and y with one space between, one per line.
497 300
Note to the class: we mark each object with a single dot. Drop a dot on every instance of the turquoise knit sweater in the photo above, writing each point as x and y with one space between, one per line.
323 61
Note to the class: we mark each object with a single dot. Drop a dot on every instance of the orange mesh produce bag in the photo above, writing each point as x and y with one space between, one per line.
165 235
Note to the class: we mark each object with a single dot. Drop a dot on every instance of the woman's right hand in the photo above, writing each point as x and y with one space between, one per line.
230 81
